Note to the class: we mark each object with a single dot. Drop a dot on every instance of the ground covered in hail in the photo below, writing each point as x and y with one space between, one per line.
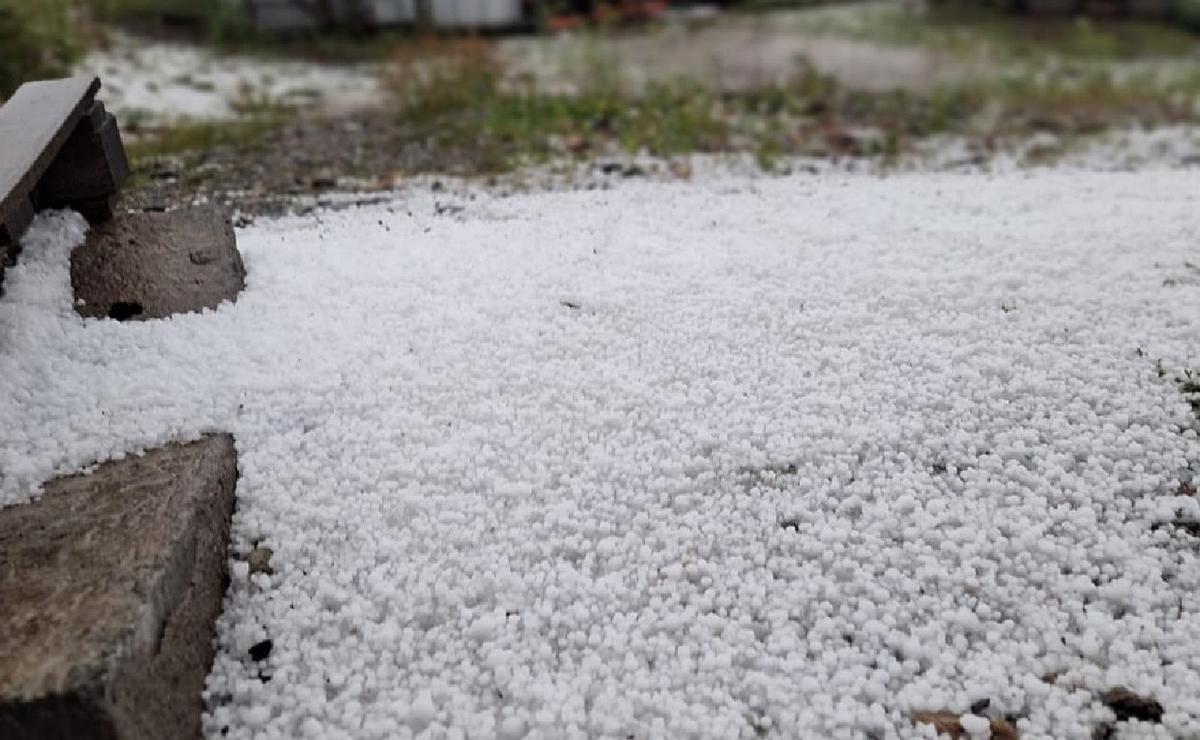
788 458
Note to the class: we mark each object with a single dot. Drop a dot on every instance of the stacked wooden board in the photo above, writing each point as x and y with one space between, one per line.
62 149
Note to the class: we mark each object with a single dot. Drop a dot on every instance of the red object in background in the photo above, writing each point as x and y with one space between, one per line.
564 22
617 11
631 10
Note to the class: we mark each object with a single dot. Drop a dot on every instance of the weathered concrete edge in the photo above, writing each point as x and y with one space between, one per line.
139 684
145 266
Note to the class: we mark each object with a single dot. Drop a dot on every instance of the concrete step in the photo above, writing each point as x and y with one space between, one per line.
110 584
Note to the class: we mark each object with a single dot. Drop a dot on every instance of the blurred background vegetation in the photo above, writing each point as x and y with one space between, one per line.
44 38
41 38
475 104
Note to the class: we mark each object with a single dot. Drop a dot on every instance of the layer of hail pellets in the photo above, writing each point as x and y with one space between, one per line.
790 458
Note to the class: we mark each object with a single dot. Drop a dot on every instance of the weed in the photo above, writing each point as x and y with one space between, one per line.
966 28
220 21
1189 382
146 146
456 93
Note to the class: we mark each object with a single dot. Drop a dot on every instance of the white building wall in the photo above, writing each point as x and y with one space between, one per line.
476 13
284 15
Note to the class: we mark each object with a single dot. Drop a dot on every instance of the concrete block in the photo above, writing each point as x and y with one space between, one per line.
151 265
110 585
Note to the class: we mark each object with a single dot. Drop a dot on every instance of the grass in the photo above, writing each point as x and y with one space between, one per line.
192 136
1189 385
456 94
147 146
965 28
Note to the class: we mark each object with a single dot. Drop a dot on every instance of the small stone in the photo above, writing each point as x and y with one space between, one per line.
952 724
260 560
1128 705
260 651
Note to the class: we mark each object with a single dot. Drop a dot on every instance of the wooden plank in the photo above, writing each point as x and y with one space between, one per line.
34 124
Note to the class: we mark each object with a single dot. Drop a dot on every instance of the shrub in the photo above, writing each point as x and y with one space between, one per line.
1188 13
38 39
218 20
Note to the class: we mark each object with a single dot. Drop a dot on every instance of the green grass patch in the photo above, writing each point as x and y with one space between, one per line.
1090 99
967 28
148 145
193 136
215 21
455 94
